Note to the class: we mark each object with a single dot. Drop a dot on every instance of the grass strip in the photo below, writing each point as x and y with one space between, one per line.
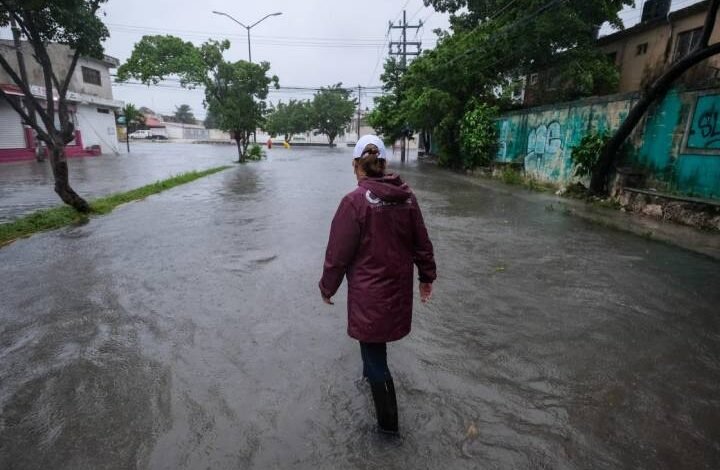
61 216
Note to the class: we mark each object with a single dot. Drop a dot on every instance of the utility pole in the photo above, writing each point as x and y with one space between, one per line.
403 52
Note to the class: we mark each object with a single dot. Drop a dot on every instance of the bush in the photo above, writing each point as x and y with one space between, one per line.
478 136
587 153
446 135
255 152
510 176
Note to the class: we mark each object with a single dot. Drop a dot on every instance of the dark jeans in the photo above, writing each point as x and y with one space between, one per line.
374 357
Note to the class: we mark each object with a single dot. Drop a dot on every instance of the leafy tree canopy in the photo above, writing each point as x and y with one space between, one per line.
71 22
184 114
235 92
286 119
332 111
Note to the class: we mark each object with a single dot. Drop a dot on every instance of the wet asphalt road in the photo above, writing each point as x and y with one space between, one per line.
186 331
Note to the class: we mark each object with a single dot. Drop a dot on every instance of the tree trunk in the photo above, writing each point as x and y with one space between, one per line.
658 90
331 139
58 162
425 137
241 154
127 138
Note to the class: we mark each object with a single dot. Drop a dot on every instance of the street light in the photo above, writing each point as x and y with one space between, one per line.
248 28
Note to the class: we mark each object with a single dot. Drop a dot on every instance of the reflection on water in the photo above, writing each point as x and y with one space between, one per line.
186 331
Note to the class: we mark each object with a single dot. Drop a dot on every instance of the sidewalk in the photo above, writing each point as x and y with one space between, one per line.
705 243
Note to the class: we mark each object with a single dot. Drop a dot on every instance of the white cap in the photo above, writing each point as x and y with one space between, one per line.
369 139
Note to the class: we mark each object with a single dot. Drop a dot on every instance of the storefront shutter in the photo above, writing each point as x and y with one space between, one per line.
12 134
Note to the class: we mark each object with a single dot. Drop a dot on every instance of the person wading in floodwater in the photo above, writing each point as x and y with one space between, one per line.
377 234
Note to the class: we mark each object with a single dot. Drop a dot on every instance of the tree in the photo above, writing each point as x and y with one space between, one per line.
332 111
133 119
492 44
236 97
211 120
184 114
46 25
659 88
234 91
290 118
387 118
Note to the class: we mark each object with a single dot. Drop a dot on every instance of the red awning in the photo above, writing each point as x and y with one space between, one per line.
10 89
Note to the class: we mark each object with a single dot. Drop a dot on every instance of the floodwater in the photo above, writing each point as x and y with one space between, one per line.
186 331
28 186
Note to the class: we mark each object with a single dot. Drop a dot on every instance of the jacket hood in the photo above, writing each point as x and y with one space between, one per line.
389 188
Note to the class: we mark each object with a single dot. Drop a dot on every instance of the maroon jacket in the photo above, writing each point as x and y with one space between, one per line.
377 234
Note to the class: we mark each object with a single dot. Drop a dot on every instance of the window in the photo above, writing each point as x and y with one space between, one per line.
641 49
534 79
103 111
686 42
91 76
612 57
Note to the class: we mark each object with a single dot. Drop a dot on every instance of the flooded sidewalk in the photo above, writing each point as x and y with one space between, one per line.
186 331
28 185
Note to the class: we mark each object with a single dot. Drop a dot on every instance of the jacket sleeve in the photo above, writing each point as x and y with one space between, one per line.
423 255
342 245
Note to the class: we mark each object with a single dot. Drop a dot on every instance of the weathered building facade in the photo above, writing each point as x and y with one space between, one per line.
641 53
90 96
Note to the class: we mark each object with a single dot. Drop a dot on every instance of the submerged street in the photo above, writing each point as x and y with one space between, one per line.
187 331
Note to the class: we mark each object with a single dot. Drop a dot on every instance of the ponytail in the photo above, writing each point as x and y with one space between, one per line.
372 166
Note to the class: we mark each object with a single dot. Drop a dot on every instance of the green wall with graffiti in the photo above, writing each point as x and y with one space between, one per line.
678 143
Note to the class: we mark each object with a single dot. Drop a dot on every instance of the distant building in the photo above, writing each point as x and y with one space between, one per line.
168 127
92 107
181 131
642 52
660 39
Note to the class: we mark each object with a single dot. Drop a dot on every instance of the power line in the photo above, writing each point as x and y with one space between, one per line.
380 55
309 44
417 11
269 40
175 84
497 34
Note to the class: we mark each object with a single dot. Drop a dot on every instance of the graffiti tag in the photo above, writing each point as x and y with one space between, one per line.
704 132
709 127
544 139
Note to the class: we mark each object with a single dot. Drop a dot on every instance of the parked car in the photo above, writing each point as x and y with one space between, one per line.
141 134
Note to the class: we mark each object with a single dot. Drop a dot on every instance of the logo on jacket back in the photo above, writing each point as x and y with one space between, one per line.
376 201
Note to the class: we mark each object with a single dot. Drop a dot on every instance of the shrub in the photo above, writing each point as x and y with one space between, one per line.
510 176
478 136
586 154
255 152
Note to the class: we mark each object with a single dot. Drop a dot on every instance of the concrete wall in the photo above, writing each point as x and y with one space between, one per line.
678 143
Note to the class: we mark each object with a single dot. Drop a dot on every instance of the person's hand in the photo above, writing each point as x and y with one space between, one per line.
425 291
327 300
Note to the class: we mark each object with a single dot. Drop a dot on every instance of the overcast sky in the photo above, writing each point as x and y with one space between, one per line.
313 43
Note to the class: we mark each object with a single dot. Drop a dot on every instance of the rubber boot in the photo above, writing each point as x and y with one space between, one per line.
385 406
